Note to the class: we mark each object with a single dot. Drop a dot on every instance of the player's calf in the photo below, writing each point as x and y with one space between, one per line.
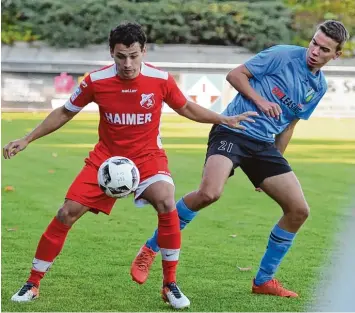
143 261
161 195
49 246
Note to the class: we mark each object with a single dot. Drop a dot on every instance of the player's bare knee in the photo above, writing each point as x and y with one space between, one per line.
165 205
303 212
70 212
209 196
300 214
63 216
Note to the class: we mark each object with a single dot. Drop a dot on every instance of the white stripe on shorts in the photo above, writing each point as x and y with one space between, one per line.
145 184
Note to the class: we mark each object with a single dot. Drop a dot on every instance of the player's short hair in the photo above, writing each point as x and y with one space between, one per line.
127 33
335 30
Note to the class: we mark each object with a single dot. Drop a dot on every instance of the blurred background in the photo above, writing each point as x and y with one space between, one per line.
48 46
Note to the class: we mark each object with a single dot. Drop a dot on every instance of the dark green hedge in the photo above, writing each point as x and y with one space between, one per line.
65 23
253 24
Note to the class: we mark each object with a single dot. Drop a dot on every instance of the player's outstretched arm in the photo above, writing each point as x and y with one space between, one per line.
56 119
197 113
282 139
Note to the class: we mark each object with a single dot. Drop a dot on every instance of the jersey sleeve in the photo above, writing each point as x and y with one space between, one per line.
173 96
83 95
306 114
266 62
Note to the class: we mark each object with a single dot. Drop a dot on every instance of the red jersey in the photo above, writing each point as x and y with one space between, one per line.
130 110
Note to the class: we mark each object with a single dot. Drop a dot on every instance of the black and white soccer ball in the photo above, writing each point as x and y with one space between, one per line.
118 177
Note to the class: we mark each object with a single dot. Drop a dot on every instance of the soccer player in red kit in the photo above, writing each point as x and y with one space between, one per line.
130 95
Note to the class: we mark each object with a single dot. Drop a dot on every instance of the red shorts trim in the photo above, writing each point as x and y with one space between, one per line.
86 191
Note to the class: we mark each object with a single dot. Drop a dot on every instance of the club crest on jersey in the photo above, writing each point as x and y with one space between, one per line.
309 95
147 100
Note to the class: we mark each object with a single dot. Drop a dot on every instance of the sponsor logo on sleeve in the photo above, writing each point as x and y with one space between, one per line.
75 94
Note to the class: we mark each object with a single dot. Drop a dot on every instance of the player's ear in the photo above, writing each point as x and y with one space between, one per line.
111 52
144 49
337 54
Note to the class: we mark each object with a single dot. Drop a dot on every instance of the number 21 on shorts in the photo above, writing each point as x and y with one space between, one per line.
226 146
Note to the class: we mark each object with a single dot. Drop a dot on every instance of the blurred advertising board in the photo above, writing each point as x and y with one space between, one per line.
46 91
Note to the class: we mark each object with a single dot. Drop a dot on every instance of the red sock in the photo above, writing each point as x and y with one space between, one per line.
49 246
169 241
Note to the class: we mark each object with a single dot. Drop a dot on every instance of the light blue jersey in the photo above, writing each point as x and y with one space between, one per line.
280 75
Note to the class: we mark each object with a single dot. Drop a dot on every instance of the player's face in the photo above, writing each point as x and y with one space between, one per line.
321 50
128 59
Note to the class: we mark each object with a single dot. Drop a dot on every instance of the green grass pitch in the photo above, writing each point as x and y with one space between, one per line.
92 272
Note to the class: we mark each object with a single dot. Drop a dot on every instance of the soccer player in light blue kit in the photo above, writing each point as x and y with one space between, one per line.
284 84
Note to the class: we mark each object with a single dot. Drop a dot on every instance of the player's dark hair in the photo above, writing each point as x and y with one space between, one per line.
335 30
127 33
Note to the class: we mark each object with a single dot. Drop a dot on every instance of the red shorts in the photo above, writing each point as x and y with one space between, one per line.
86 191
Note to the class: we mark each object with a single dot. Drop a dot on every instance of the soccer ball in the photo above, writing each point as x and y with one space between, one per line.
118 177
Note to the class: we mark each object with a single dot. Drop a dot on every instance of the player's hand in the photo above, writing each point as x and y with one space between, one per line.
258 189
271 109
14 147
234 121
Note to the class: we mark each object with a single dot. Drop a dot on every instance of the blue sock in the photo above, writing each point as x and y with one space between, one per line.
279 242
185 216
